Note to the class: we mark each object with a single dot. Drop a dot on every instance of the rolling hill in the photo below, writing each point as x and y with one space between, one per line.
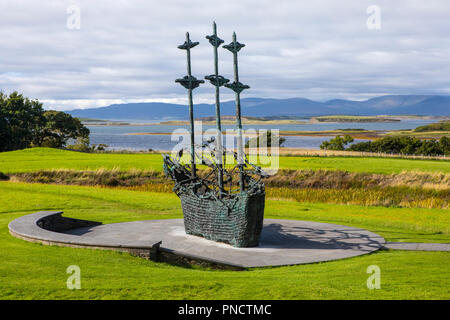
261 107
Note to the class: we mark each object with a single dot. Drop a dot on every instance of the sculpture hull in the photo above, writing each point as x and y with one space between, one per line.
237 220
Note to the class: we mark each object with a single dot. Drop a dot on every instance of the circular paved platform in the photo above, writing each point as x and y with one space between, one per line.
283 242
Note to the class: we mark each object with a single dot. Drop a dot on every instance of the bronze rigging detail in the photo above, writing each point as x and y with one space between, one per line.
212 206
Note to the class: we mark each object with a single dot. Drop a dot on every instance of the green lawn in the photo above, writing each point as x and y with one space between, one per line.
364 164
35 271
110 205
43 158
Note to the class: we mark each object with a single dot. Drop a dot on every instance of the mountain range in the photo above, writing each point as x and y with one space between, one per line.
427 105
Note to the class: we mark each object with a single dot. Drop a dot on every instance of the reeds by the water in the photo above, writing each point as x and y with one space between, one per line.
406 189
336 179
104 177
387 197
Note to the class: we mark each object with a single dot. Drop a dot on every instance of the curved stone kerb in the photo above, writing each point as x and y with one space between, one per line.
47 226
283 242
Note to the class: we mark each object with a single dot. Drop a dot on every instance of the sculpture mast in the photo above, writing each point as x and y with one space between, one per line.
190 83
217 81
238 87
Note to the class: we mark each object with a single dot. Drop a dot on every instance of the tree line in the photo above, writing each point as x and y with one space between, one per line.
394 144
24 123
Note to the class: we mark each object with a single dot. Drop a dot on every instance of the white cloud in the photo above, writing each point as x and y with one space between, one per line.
126 51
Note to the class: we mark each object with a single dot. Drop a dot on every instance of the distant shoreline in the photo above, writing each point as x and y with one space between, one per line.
227 120
356 134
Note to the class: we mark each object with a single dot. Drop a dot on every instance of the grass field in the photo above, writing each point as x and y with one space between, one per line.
35 271
420 134
108 205
43 158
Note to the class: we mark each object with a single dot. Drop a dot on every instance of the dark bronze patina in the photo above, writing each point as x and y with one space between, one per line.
217 81
213 207
190 82
238 87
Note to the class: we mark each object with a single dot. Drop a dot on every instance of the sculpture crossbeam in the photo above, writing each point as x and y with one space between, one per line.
188 44
234 46
237 86
215 40
189 82
217 80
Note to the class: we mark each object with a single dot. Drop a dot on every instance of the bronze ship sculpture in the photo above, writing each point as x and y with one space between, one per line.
221 203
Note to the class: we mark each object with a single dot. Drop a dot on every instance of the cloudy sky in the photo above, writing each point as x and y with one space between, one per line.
125 50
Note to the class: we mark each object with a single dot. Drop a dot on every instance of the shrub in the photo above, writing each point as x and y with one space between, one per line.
337 143
440 126
405 145
3 177
265 140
